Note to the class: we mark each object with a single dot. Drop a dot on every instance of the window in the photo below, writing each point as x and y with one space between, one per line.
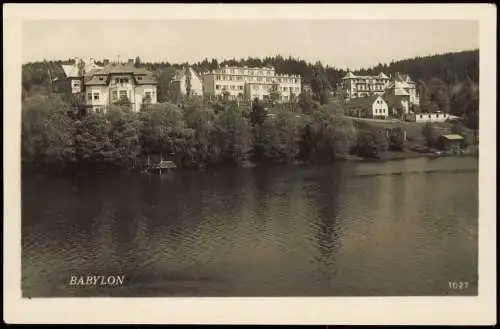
233 87
117 80
217 86
139 78
217 77
421 116
89 96
123 94
147 95
96 96
240 87
429 116
114 95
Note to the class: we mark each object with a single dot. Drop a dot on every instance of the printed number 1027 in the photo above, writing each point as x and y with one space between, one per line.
458 285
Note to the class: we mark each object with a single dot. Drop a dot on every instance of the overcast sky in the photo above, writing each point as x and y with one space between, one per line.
339 43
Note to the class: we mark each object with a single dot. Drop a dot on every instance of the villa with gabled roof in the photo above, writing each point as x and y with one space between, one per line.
119 82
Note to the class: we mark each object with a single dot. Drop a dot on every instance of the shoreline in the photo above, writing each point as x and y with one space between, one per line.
384 157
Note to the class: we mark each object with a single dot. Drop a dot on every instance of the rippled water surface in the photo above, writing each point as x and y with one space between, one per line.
354 229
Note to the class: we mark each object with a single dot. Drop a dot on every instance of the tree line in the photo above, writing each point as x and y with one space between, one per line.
434 73
56 135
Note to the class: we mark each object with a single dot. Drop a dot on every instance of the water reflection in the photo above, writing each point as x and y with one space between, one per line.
395 228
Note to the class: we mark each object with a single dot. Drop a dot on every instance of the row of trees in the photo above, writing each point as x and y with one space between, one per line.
53 134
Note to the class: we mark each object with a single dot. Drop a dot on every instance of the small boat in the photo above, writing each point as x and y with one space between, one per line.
163 165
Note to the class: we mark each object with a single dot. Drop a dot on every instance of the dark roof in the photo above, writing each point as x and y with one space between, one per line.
92 77
179 74
56 70
95 81
361 102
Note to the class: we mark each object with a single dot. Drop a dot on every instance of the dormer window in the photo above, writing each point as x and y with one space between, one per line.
101 78
139 78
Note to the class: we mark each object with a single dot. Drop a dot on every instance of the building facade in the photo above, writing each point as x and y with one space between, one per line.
404 82
185 76
429 117
75 71
373 107
250 83
118 83
353 86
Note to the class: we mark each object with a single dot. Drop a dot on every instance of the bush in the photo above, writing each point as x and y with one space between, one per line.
430 134
397 141
279 137
326 137
370 143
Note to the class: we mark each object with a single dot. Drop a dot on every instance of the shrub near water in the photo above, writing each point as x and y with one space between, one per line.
278 137
371 143
326 137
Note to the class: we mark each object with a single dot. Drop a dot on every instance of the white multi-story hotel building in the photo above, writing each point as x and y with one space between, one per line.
354 86
400 85
250 83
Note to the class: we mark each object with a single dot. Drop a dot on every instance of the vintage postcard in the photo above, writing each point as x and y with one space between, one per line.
259 164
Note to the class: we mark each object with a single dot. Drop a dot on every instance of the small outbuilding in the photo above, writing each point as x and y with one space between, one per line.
451 142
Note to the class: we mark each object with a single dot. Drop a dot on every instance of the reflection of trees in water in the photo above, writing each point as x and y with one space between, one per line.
328 228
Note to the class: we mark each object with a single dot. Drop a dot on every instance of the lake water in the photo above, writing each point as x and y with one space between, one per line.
395 228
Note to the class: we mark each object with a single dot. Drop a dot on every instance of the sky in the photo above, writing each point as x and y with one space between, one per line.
340 43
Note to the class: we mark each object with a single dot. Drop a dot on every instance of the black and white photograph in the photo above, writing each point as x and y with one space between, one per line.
202 157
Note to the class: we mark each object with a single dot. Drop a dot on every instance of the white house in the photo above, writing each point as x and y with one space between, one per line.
374 107
429 117
180 82
119 82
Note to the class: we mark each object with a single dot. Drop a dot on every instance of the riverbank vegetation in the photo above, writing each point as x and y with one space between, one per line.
57 132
